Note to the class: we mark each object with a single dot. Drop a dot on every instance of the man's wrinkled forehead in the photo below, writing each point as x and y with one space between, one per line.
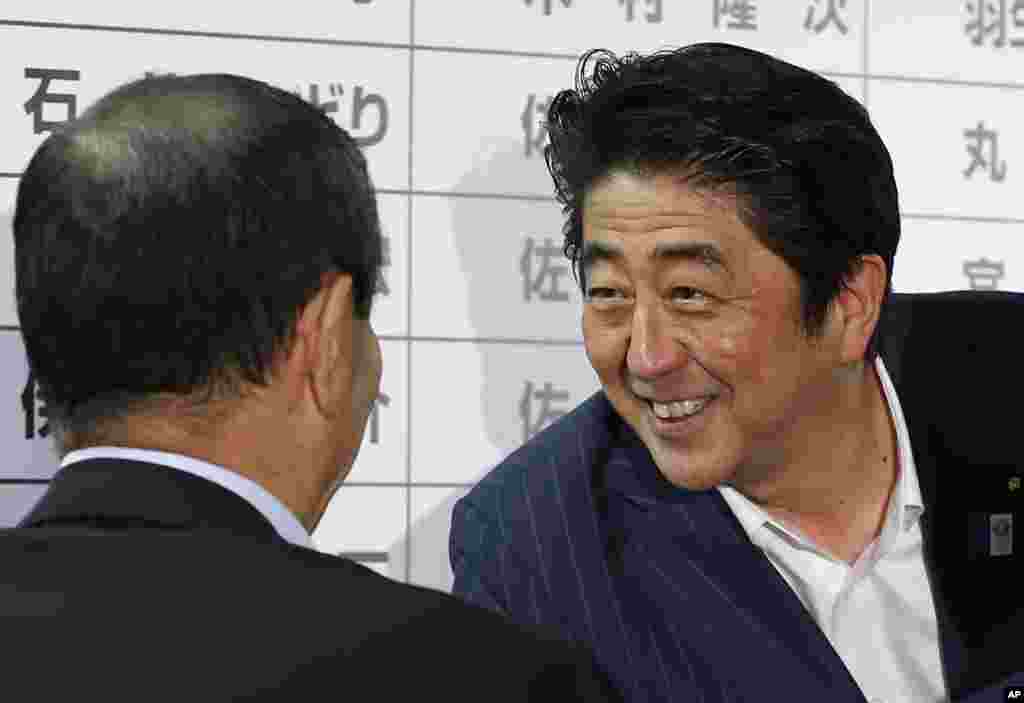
624 202
687 178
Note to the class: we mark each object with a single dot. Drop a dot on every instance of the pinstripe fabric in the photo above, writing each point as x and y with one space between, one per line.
578 530
529 543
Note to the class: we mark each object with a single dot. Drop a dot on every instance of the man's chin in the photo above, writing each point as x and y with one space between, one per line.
691 475
689 482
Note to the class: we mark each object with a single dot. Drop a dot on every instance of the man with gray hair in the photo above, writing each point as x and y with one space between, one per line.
196 259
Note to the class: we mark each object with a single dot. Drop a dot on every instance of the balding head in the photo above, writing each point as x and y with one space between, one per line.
167 240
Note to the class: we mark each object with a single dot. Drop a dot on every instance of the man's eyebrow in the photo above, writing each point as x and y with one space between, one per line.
704 253
599 251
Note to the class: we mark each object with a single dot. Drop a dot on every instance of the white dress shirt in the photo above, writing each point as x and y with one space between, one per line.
878 614
283 520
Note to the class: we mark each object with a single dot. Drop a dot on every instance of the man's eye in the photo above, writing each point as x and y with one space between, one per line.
687 294
603 293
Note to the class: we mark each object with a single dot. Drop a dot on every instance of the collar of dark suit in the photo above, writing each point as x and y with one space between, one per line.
117 493
628 472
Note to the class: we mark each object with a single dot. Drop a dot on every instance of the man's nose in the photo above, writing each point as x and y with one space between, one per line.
653 349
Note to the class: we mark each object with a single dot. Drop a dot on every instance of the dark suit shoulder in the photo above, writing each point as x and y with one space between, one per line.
389 625
947 354
250 617
954 321
963 298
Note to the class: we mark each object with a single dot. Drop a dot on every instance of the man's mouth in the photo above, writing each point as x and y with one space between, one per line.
678 410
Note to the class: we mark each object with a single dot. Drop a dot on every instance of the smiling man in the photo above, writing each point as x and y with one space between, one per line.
785 488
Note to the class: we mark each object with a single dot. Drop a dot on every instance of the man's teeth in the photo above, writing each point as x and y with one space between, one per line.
678 408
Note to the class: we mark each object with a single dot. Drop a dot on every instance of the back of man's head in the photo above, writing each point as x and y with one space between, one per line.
167 239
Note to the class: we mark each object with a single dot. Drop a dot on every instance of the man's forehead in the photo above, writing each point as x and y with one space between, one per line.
663 219
663 211
628 194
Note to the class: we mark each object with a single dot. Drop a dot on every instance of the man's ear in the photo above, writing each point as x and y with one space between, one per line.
326 329
858 306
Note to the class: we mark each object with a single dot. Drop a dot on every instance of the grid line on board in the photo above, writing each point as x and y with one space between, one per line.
396 46
408 299
323 41
410 193
444 340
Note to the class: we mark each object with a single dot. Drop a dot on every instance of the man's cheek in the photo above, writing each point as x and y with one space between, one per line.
605 347
734 346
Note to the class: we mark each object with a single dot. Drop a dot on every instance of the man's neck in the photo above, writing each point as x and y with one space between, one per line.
837 494
289 473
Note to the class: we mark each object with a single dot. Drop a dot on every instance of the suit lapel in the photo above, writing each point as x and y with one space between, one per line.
570 541
115 493
703 560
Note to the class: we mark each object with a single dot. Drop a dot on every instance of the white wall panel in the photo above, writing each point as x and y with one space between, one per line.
473 403
478 121
362 20
367 524
16 500
492 268
935 255
959 151
8 306
390 308
383 455
803 32
960 40
24 430
365 89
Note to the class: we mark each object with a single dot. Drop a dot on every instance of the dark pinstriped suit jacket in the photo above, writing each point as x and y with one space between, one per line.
578 529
